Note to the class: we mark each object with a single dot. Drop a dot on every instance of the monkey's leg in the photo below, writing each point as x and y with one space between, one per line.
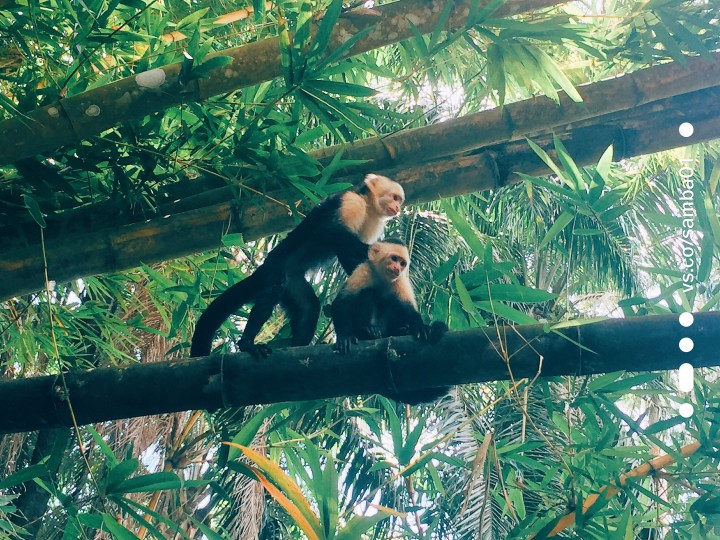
303 308
259 314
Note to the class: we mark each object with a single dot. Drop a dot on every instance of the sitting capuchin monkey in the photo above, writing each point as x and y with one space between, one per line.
378 301
341 226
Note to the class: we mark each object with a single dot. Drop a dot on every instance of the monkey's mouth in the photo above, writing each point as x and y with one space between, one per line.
392 212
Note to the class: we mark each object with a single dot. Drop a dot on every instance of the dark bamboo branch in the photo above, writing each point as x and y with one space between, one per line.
32 504
525 118
74 253
303 373
78 117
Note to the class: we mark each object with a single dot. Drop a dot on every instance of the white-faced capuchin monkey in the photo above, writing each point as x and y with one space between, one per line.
377 301
341 226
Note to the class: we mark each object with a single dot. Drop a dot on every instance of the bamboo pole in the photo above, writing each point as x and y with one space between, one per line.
382 366
524 118
607 492
75 252
75 118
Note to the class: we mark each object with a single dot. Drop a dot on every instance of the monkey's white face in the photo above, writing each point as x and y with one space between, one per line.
389 195
390 260
391 202
395 265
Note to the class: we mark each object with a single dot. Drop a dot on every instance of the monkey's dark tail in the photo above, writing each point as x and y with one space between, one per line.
221 308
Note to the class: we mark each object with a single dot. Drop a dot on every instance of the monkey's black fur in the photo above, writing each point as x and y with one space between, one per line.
281 280
375 312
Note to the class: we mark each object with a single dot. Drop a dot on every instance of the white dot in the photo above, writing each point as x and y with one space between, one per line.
686 344
686 377
686 410
686 319
686 129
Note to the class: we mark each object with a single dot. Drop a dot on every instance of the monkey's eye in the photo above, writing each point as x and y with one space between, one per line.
403 264
394 258
396 198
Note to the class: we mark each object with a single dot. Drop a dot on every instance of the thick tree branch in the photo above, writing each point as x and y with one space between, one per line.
524 118
303 373
77 246
75 118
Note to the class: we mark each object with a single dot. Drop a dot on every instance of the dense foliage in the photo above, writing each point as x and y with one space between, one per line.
501 460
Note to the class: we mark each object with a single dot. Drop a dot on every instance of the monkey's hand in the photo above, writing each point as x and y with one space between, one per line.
418 329
257 351
343 344
373 331
436 331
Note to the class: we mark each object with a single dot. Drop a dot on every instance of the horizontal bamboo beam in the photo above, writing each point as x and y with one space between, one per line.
387 365
75 118
72 254
524 118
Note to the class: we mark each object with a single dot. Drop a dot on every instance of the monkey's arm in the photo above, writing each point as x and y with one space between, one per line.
402 319
351 252
352 317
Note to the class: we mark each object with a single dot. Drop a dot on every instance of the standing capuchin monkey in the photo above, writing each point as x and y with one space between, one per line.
342 225
378 301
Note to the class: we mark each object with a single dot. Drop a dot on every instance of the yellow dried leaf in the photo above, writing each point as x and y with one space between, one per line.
228 18
173 36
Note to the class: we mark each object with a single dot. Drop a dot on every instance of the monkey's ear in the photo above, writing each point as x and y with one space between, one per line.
371 180
374 251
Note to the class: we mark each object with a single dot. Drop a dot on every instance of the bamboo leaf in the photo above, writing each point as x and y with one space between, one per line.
479 15
294 503
562 221
549 162
204 70
34 209
327 24
122 503
328 503
566 160
506 312
408 450
691 39
344 49
671 45
250 428
340 88
24 475
117 530
496 71
286 54
149 482
549 66
259 9
299 516
302 26
464 295
440 25
445 269
359 525
465 229
157 516
120 472
104 446
587 232
511 293
192 19
341 110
